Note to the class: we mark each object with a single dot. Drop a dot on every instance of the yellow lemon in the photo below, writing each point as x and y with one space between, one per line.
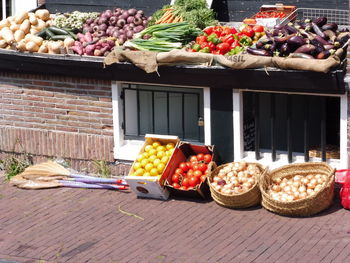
154 172
152 152
160 154
160 167
161 149
170 145
164 159
136 166
148 148
148 167
152 158
156 162
155 145
144 162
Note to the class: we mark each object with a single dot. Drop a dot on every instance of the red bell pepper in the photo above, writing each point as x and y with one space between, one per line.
201 39
223 48
204 45
211 46
235 44
248 31
208 30
229 39
258 28
228 30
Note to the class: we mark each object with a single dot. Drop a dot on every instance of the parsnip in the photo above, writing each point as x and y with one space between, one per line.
20 17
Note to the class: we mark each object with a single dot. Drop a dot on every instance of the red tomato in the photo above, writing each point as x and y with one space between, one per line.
258 28
203 177
190 173
176 185
195 167
248 31
204 45
197 174
211 46
223 48
183 167
202 167
179 171
193 159
189 165
194 181
185 182
175 178
183 188
207 158
200 157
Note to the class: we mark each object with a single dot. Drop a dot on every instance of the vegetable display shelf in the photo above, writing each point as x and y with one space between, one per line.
264 79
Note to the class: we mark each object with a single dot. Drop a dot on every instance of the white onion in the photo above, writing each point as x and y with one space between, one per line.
296 183
302 195
276 188
317 176
320 181
290 198
277 180
302 189
283 184
304 181
251 180
310 176
216 178
318 188
310 192
287 189
297 178
230 174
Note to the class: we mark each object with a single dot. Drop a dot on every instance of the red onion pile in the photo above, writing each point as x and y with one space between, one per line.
119 23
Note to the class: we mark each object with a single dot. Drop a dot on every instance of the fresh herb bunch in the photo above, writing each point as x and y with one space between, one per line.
195 12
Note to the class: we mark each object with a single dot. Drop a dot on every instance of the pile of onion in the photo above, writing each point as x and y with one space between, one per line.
236 178
119 23
297 187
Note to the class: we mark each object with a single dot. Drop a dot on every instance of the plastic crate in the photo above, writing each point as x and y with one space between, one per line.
341 17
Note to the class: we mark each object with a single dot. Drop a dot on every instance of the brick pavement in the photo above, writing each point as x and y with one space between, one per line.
77 225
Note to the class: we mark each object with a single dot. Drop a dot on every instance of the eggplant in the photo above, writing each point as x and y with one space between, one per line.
321 40
330 35
270 47
300 55
279 27
291 30
308 27
281 40
306 49
296 41
317 30
320 21
259 52
318 45
323 55
276 32
284 49
330 26
259 45
343 38
328 47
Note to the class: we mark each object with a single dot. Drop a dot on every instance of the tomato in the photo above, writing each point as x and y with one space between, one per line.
189 165
204 45
176 185
193 181
193 159
207 158
197 174
200 157
202 167
183 167
183 188
175 178
179 171
208 30
258 28
203 177
211 46
195 167
190 173
185 182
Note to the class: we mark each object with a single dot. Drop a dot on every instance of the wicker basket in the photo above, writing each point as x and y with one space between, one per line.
304 207
244 200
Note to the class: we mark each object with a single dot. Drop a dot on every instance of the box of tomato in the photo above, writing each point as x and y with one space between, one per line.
188 167
150 170
271 15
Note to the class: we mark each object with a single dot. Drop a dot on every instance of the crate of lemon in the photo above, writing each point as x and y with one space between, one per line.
150 169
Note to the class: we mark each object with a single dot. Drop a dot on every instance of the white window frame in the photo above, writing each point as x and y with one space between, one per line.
128 149
282 158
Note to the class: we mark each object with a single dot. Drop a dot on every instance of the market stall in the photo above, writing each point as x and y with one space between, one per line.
242 88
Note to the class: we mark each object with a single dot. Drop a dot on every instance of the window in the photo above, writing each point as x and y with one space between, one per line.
170 110
6 8
277 128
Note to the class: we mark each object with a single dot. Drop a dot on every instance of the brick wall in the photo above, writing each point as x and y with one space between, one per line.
55 116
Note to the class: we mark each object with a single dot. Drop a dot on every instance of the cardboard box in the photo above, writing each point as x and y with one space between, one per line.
287 10
181 154
152 186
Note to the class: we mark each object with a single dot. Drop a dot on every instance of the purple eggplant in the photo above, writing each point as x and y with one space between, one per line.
320 21
306 49
284 49
259 45
343 37
296 41
317 30
291 30
279 27
318 45
330 26
330 35
300 55
328 47
321 40
283 39
259 52
324 54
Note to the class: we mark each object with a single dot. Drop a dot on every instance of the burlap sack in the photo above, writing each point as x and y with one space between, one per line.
244 61
145 60
180 56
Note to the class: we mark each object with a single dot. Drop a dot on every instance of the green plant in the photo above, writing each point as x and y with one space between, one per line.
102 168
15 163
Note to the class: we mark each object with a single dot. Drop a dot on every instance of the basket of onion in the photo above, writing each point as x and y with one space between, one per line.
298 189
235 185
